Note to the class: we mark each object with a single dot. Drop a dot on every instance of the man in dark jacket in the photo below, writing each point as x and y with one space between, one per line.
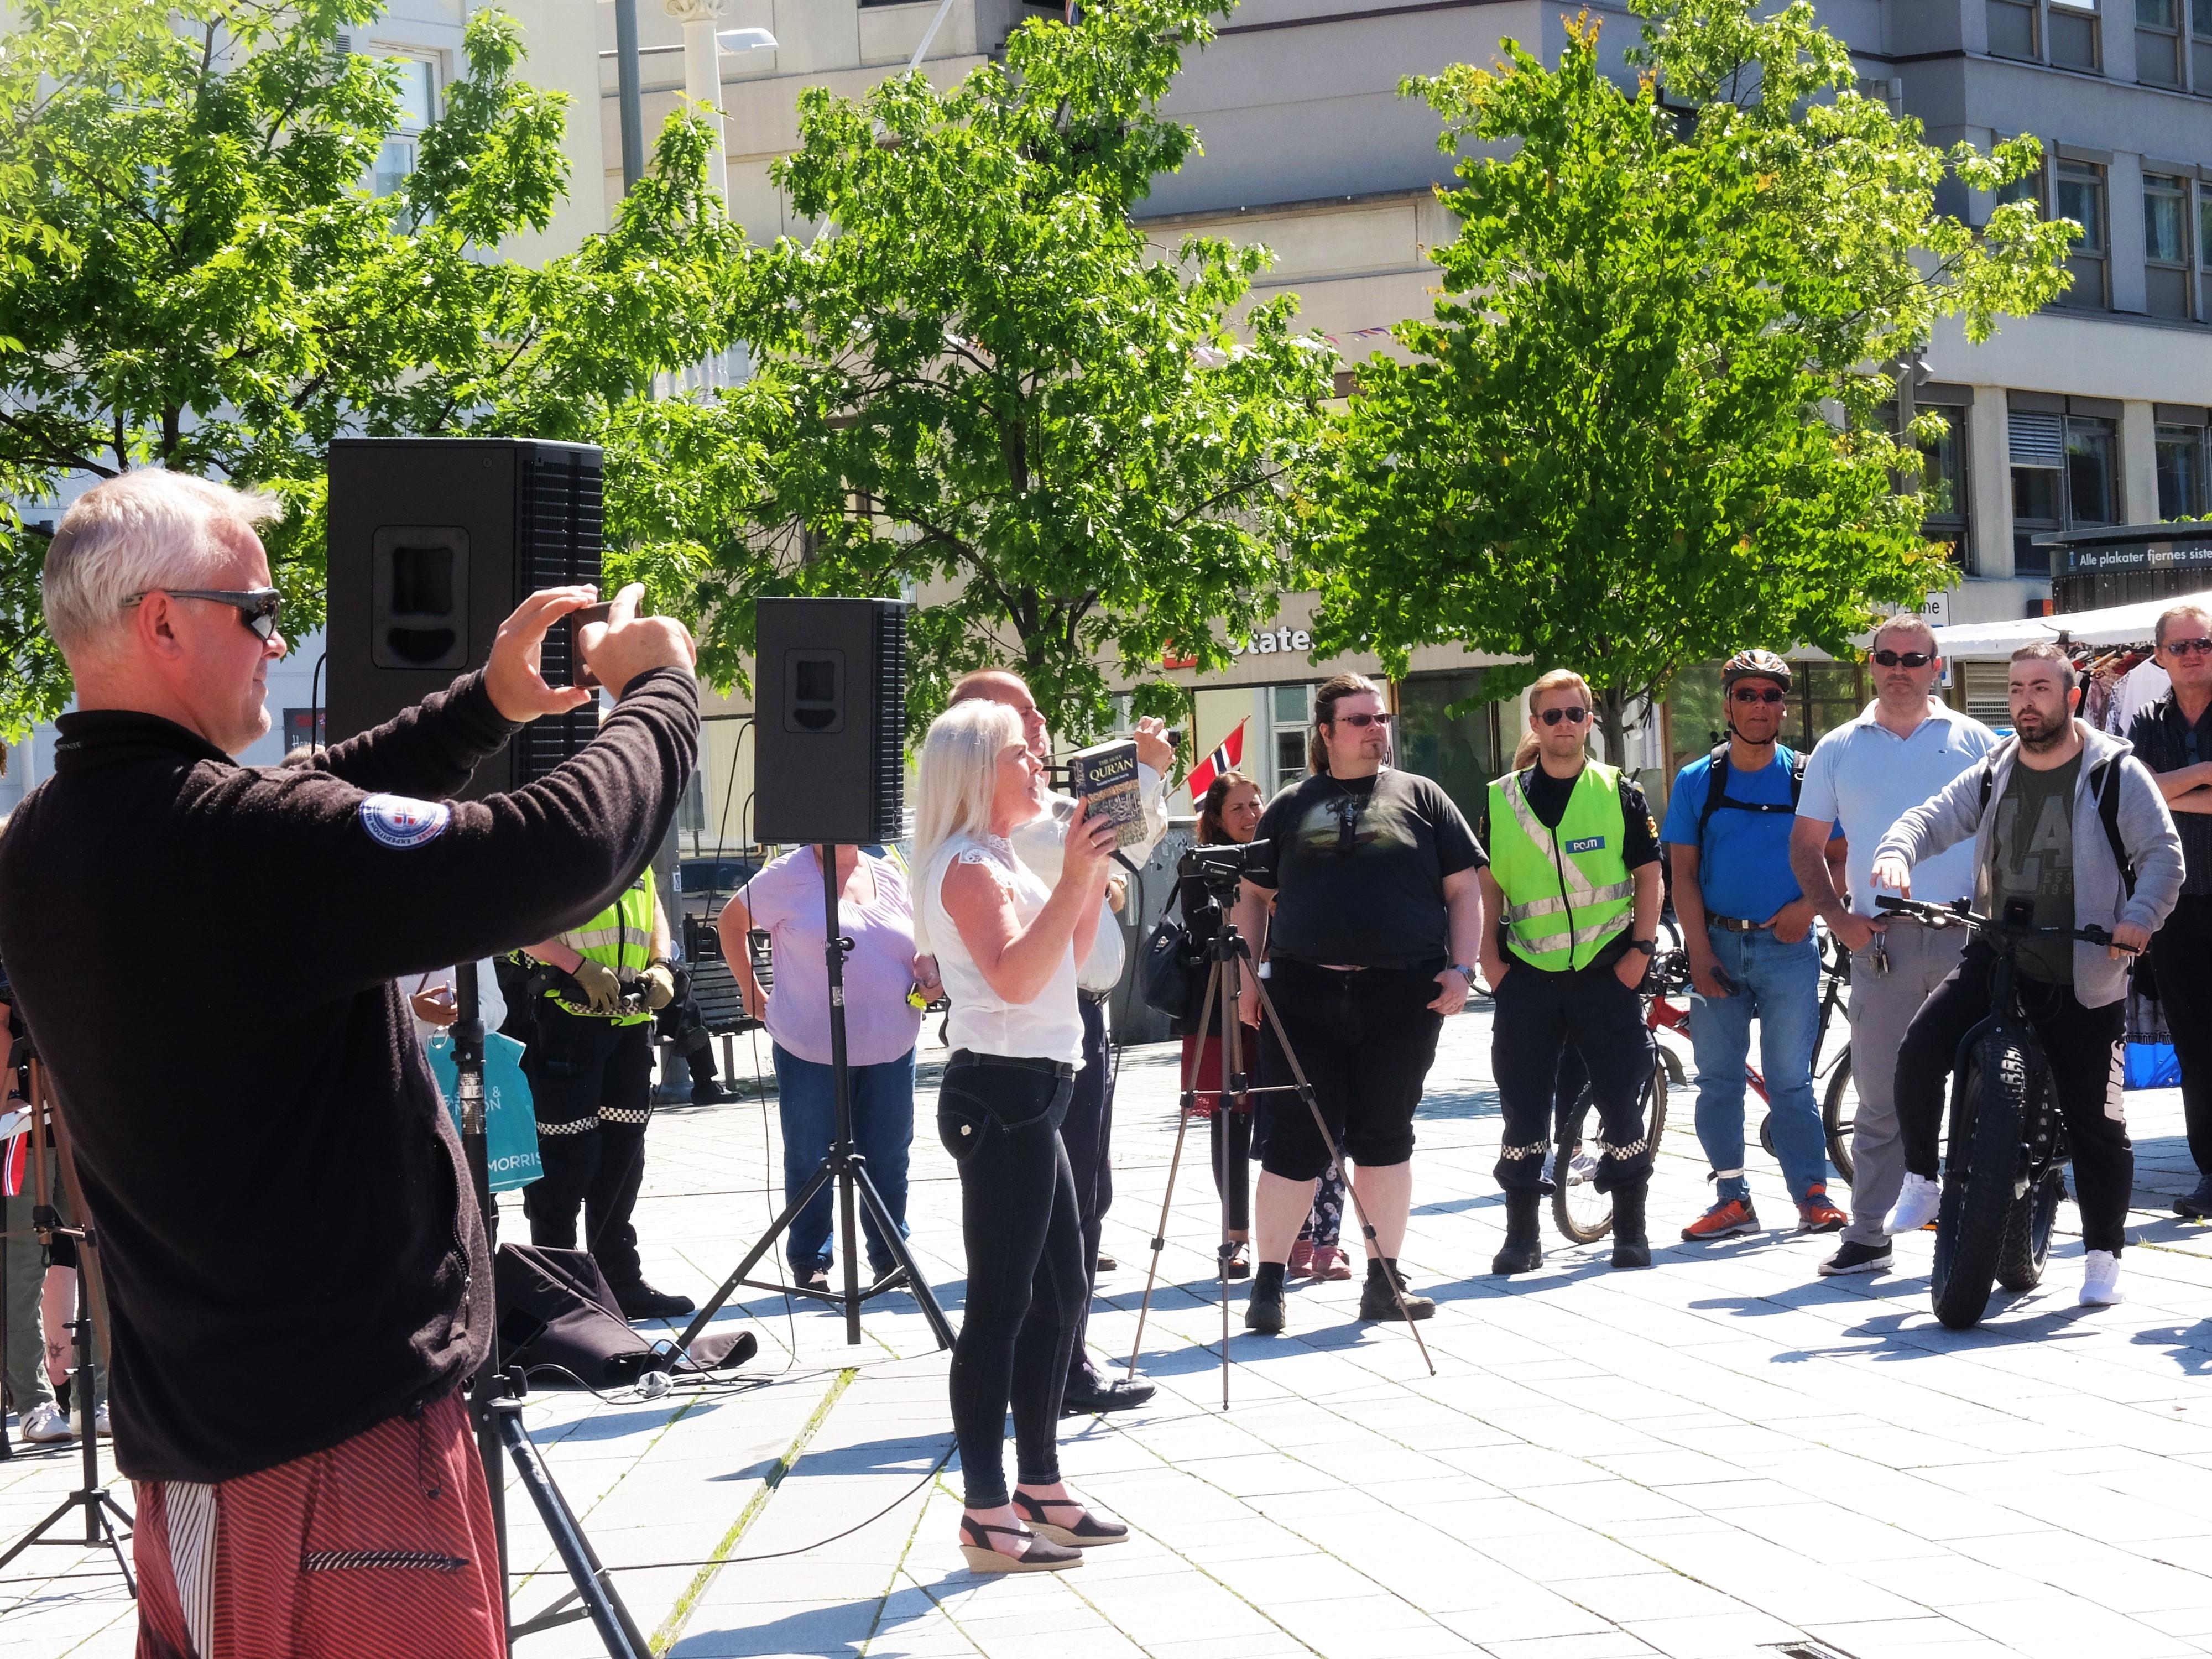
282 1195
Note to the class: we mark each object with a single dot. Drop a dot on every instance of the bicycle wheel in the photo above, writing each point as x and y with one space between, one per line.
1978 1193
1767 1136
2026 1243
1839 1111
1581 1213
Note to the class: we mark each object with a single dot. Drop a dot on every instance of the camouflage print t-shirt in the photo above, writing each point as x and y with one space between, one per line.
1358 866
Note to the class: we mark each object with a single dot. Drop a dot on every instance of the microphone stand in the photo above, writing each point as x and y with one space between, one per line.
495 1398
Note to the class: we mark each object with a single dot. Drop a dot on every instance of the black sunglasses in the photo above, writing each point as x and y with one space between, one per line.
2200 645
1749 694
1905 658
257 606
1574 716
1359 721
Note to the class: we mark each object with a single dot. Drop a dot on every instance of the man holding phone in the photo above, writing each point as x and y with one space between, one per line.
1748 928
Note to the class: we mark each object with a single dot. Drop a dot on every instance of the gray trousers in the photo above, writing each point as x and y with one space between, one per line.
1882 1004
26 1357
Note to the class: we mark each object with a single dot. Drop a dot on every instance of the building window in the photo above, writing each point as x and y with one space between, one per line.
2181 472
1460 754
2200 44
2079 191
418 107
1944 481
2158 43
2065 476
2168 279
1290 717
2060 33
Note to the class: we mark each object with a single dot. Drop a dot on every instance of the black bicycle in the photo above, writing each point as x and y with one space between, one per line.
2004 1170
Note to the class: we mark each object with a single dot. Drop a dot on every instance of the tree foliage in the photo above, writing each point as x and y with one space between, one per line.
1645 427
977 382
195 274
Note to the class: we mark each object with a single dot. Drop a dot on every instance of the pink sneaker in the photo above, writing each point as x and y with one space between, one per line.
1301 1264
1330 1262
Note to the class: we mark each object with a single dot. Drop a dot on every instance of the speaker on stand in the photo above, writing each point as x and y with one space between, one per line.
830 768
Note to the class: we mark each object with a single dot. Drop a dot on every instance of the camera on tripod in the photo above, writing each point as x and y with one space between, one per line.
1222 867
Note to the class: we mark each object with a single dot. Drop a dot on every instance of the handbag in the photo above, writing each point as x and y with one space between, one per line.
510 1119
1163 971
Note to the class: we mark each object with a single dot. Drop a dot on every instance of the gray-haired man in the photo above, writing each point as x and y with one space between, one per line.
1903 750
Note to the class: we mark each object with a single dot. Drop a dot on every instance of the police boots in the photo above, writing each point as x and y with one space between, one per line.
1631 1247
1524 1238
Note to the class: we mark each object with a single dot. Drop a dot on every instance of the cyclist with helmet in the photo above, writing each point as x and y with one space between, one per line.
1748 928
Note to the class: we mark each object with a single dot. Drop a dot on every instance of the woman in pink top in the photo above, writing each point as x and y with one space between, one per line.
874 911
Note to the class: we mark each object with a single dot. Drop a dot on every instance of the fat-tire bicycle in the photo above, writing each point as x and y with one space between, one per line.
2004 1171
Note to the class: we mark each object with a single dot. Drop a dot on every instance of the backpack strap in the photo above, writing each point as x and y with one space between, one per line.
1716 795
2108 811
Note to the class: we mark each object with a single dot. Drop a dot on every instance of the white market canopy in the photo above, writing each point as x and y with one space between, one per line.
2118 624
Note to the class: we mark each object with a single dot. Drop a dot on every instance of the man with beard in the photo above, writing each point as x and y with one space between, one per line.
2068 820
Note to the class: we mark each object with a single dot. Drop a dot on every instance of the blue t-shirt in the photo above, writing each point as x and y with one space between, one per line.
1743 868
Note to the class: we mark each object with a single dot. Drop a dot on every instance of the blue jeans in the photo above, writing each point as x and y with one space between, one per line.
1781 984
882 1130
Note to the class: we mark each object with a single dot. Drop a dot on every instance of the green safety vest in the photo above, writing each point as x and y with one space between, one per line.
1567 891
621 937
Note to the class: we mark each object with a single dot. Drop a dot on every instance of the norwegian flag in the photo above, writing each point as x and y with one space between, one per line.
1226 758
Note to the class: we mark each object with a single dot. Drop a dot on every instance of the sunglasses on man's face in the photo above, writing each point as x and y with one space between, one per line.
257 606
1573 716
2200 645
1753 694
1905 658
1361 722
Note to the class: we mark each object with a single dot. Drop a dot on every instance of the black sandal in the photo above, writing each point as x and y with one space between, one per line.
1088 1531
1040 1556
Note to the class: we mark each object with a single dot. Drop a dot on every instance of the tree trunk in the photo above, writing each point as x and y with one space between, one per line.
1612 721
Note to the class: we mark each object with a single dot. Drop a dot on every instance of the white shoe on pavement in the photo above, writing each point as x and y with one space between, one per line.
99 1424
1917 1204
43 1424
2100 1279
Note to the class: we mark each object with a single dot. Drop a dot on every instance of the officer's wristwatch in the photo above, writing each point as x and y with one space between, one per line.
1464 972
1650 947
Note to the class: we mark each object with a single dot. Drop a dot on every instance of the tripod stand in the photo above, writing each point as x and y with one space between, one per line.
495 1397
1225 956
101 1512
844 1165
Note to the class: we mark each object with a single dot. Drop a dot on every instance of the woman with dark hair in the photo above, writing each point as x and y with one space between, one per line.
1377 916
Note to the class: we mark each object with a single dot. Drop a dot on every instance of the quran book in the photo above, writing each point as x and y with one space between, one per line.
1104 777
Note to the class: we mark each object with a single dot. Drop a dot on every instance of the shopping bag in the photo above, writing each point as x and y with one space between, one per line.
510 1120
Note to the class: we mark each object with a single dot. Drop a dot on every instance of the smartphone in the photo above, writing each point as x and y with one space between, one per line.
580 670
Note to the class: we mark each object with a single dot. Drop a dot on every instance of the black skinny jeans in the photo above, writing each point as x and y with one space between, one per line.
2181 958
2083 1047
999 1119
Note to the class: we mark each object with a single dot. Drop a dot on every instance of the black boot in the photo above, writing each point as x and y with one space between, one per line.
1631 1247
1524 1237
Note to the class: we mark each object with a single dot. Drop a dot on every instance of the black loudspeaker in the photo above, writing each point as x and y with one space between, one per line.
432 543
829 722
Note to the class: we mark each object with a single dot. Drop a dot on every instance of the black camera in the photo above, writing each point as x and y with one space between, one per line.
1221 867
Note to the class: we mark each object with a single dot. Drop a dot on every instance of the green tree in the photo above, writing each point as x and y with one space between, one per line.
976 381
1645 427
195 272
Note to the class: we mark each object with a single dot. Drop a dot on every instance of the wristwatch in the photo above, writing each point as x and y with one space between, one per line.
1650 947
1465 972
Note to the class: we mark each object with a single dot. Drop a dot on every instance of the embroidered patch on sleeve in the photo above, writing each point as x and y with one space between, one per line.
396 821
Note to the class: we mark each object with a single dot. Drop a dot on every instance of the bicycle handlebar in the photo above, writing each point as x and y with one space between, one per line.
1959 914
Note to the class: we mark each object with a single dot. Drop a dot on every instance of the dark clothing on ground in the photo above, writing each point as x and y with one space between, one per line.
999 1119
1358 866
2083 1047
1545 1023
2181 963
2031 858
2165 742
1088 1134
591 1083
1365 1039
303 892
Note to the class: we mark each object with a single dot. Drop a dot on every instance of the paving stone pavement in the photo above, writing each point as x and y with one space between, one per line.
1710 1458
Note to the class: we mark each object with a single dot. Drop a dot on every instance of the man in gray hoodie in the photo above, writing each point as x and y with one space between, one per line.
2044 811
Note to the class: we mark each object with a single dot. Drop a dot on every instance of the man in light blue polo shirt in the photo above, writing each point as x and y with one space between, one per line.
1865 777
1748 928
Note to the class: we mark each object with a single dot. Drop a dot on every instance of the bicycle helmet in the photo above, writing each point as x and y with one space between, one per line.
1755 665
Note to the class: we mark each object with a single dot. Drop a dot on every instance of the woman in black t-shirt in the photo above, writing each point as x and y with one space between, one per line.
1377 920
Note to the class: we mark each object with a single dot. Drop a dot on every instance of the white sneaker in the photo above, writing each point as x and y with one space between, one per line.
2100 1279
100 1424
1916 1205
43 1424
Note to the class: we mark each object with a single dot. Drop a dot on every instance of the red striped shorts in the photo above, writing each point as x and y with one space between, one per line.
383 1545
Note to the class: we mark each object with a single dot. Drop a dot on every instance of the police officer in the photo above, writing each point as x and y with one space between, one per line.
591 1080
1574 881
